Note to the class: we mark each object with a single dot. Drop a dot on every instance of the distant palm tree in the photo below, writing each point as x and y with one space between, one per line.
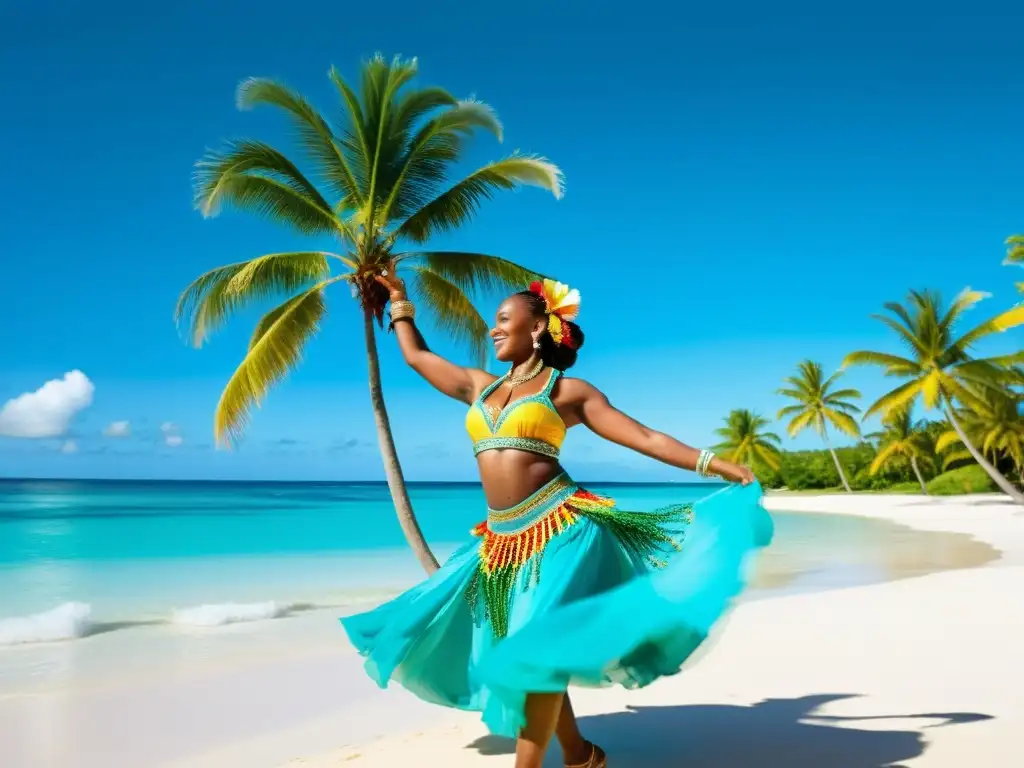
1015 254
939 366
995 423
384 179
817 406
903 439
744 442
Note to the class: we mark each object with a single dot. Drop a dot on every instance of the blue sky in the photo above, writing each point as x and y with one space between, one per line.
745 185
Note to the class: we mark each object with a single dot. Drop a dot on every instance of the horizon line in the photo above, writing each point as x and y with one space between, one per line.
320 482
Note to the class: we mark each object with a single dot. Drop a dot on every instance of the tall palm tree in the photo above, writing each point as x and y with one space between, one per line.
994 423
745 442
939 366
818 405
383 188
903 439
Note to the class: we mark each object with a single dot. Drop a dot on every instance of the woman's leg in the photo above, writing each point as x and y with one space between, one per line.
575 749
542 714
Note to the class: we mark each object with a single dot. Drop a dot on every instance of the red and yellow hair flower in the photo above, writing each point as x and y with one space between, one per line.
562 305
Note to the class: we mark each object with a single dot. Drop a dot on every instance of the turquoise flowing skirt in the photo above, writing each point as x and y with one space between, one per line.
564 589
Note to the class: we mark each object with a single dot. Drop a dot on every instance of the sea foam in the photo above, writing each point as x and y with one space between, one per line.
65 622
218 614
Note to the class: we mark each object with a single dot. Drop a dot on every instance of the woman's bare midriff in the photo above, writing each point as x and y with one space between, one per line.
509 476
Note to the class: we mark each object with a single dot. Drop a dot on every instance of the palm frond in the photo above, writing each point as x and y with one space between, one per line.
884 456
381 84
789 410
315 135
1003 361
970 396
964 301
1014 249
417 104
946 440
803 421
453 312
768 456
843 422
866 357
255 177
907 335
901 312
458 204
417 176
795 392
956 457
208 301
988 373
283 334
476 273
844 394
357 141
932 388
901 397
1011 318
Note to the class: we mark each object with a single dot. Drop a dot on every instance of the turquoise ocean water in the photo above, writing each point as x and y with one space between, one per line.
80 555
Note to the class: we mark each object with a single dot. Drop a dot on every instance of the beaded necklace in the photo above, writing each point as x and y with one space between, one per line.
512 381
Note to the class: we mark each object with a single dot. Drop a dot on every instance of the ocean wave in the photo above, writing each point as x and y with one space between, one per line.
65 622
219 614
72 621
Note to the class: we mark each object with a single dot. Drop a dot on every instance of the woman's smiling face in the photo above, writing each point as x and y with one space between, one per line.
515 330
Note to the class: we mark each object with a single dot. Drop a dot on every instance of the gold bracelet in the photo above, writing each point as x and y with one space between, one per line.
402 310
704 463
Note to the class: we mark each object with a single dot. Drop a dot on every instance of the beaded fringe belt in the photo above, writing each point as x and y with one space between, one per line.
515 538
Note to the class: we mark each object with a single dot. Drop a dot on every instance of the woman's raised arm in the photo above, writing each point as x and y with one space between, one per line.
445 376
594 411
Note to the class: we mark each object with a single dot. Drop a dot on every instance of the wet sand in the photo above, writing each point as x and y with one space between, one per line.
860 550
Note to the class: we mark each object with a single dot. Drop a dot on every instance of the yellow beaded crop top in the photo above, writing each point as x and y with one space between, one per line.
530 423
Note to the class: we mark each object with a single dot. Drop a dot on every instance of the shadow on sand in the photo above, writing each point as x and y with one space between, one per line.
776 733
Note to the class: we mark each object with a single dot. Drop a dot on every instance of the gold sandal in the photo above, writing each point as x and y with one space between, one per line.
598 759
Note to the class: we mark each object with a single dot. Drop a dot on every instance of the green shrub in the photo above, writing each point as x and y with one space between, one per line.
814 470
909 487
969 479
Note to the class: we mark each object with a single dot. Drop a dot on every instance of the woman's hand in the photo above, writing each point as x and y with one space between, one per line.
396 286
734 473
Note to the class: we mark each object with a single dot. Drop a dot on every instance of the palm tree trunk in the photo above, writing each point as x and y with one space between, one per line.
392 468
835 458
1004 485
917 471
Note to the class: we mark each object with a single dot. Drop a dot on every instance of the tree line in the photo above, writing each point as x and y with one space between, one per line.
979 399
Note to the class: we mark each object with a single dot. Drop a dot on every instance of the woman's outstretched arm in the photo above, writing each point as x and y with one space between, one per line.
593 410
445 376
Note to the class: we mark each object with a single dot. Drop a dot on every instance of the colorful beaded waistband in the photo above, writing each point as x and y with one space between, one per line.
529 444
508 522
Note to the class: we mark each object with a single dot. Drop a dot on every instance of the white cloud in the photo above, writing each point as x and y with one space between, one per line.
171 436
48 411
70 446
118 429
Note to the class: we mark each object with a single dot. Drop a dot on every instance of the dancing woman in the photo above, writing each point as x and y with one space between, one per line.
559 586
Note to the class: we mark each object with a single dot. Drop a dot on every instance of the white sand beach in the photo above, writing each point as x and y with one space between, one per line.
918 672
